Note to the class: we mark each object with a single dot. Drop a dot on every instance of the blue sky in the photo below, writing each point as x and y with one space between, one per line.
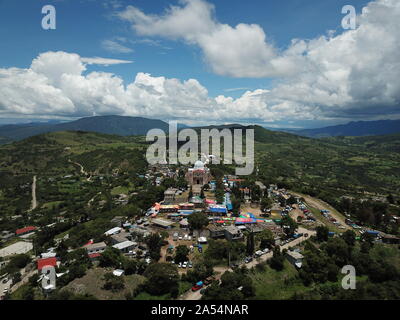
85 26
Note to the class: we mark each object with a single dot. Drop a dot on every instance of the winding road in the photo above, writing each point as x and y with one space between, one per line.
82 170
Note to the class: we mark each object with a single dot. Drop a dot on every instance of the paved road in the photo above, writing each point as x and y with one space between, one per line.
190 295
3 286
24 279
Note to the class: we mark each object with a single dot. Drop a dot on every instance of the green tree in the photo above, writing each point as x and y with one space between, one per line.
276 262
181 254
197 221
113 283
154 243
266 239
266 203
162 278
250 244
111 257
350 237
322 233
289 225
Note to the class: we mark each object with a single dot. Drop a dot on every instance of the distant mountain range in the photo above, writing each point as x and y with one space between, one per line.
129 126
354 128
119 125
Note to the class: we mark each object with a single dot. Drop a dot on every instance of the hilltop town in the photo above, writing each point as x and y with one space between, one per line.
188 232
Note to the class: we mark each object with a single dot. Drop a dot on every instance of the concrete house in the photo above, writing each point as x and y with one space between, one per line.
96 247
295 258
233 233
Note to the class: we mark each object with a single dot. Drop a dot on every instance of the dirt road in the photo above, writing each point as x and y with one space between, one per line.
321 205
34 201
82 170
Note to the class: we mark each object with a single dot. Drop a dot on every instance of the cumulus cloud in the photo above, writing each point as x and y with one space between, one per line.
348 76
352 74
240 51
56 84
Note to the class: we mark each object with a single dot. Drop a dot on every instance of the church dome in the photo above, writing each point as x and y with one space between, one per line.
198 165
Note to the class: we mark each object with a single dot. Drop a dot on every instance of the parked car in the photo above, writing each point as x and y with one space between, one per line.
180 265
180 238
185 264
197 286
190 265
258 253
266 250
248 260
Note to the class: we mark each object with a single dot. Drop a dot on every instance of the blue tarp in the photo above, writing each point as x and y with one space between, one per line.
185 212
218 210
228 202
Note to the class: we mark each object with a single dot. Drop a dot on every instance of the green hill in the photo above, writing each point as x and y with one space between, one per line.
121 125
51 153
328 168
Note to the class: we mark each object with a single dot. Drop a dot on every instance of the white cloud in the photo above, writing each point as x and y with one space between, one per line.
104 61
351 75
115 46
240 51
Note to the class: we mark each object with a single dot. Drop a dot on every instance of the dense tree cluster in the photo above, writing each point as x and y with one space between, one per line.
236 285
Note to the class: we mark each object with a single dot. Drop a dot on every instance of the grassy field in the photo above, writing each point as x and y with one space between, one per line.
148 296
92 284
119 190
274 285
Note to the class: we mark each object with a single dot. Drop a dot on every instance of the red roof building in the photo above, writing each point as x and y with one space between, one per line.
46 262
25 230
94 255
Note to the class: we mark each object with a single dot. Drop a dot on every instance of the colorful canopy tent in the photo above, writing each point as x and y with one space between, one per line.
245 220
248 215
